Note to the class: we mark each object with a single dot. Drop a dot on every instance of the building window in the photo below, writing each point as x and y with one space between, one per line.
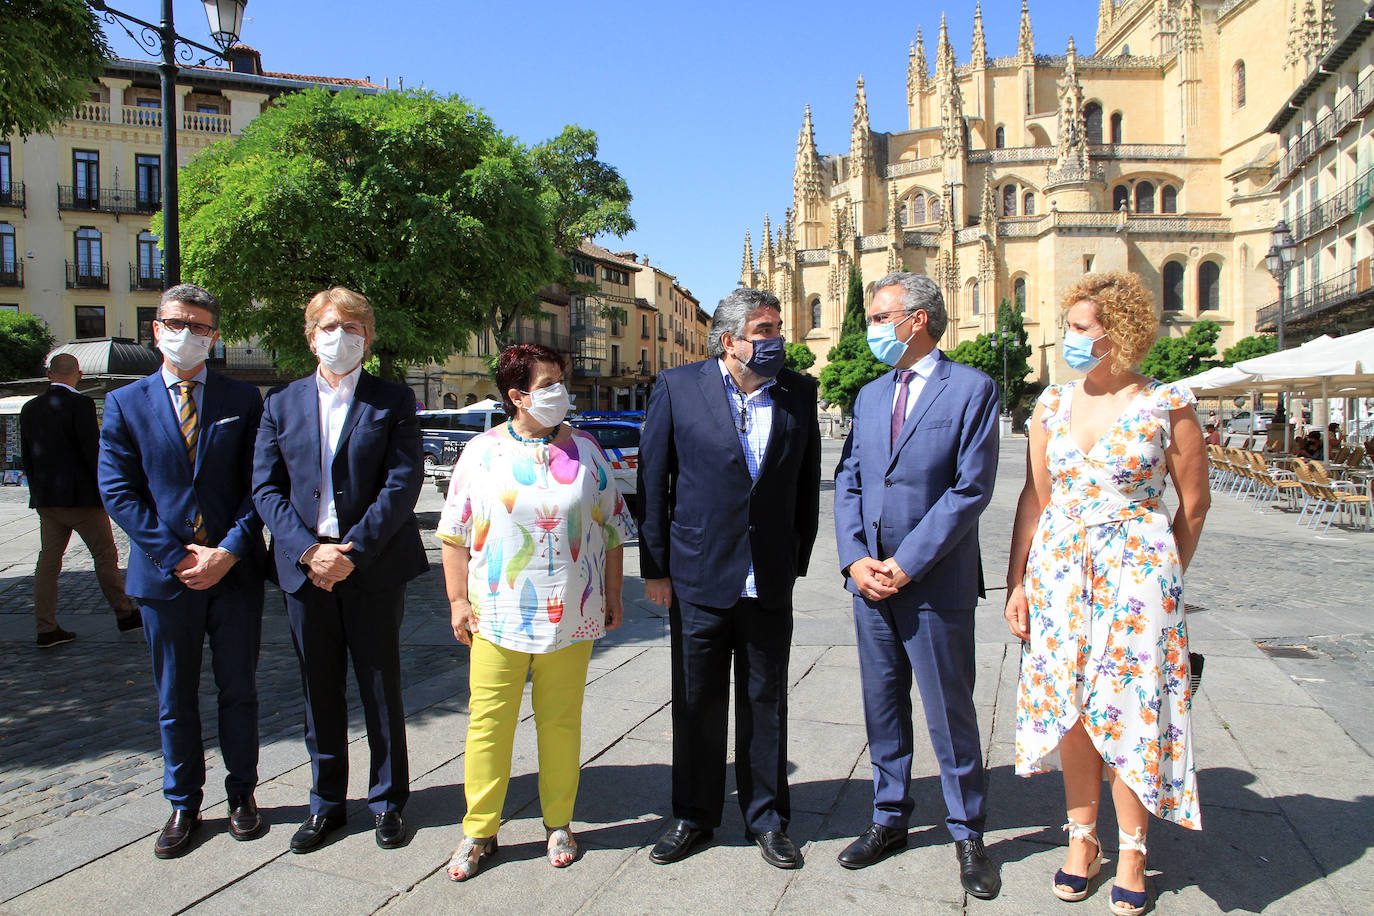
1092 118
815 313
149 262
148 179
1208 286
1168 199
1116 127
644 366
206 108
973 298
90 321
901 216
11 307
644 326
1238 85
1145 197
1009 200
1018 293
936 209
86 176
9 254
1000 137
5 178
1028 204
146 314
88 259
584 268
918 210
1173 287
1121 197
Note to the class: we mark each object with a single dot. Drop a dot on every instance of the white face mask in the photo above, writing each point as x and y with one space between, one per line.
339 351
183 349
550 405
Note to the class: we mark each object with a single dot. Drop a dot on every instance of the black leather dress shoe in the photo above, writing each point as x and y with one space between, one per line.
873 845
976 872
130 621
778 849
311 834
391 830
175 838
245 823
678 843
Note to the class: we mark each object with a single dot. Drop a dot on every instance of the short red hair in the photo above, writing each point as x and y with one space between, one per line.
515 367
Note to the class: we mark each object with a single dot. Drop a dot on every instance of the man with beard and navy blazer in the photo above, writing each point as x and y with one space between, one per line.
336 476
730 489
175 469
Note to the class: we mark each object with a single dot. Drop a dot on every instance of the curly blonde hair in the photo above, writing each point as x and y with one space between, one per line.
1125 310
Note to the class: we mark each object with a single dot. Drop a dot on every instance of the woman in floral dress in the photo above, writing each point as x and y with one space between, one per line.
1095 586
533 533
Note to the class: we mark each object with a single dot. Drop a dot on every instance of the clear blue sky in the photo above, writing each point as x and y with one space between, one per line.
697 104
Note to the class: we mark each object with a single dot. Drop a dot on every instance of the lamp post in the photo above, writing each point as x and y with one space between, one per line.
1004 340
1283 250
226 21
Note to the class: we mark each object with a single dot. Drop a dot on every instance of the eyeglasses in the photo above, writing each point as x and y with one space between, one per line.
350 327
885 317
177 325
742 423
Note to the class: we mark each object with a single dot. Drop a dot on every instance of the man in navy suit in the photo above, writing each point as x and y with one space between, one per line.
60 441
176 463
918 469
730 491
336 476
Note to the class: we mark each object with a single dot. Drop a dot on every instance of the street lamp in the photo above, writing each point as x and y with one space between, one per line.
1004 339
1283 250
226 21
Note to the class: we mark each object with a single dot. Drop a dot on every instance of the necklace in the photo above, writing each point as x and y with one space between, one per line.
545 440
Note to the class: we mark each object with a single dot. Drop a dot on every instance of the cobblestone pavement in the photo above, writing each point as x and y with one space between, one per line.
1284 735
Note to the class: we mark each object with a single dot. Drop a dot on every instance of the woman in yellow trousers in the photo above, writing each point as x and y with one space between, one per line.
532 534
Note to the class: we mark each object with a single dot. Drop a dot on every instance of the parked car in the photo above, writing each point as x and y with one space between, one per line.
445 429
1240 422
619 439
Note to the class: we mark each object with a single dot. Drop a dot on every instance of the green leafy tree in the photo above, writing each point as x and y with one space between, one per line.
24 342
986 352
1173 358
583 196
855 314
851 364
50 53
1249 348
799 357
416 201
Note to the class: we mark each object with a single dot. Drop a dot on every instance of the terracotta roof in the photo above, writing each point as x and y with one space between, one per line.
334 80
591 249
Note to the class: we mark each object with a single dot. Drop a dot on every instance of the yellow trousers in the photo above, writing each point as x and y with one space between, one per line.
496 679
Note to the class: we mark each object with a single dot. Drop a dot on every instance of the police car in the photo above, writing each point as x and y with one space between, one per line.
619 439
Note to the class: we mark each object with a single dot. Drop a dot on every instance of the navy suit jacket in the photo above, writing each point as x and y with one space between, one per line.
152 492
60 441
376 478
703 518
919 501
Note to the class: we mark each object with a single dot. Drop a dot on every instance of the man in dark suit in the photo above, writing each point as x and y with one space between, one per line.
729 485
336 477
918 469
60 442
175 473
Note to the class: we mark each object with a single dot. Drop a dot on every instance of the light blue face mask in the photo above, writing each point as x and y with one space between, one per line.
1078 351
882 340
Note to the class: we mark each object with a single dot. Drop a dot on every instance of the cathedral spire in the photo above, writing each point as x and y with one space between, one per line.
766 248
806 174
944 54
860 138
917 74
1073 139
1025 43
980 46
1106 12
746 269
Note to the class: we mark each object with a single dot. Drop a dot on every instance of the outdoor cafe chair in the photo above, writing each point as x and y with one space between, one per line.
1270 482
1338 494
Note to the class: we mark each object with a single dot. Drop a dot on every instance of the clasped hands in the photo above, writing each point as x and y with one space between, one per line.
203 566
326 565
877 579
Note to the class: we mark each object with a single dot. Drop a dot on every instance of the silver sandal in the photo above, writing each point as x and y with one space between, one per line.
561 843
462 866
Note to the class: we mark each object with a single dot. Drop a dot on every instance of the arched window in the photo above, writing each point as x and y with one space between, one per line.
1000 137
935 208
1009 200
1238 85
1092 117
918 210
1208 286
902 216
1121 197
1116 127
973 297
1028 204
815 313
1145 197
1018 293
450 401
1173 287
1168 199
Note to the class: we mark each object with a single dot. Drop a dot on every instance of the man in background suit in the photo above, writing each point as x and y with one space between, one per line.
336 476
730 481
60 443
918 470
175 472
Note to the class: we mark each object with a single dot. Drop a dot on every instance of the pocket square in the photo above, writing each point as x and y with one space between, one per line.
227 420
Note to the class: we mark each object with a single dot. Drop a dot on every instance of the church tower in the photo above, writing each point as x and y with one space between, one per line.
808 201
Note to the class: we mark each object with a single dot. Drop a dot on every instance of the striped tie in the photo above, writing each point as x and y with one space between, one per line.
190 431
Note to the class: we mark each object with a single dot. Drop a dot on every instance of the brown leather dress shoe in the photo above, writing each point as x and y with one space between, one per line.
245 823
175 838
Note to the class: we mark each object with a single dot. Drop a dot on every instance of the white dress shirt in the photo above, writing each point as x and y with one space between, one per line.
334 404
924 366
170 380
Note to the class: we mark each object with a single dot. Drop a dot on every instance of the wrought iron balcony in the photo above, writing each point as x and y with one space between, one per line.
107 200
545 336
12 194
12 273
1346 287
243 358
88 276
145 277
1333 208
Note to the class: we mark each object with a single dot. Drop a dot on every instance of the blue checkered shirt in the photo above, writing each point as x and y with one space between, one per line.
757 408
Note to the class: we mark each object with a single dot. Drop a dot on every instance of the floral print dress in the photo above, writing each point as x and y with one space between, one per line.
537 519
1108 641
